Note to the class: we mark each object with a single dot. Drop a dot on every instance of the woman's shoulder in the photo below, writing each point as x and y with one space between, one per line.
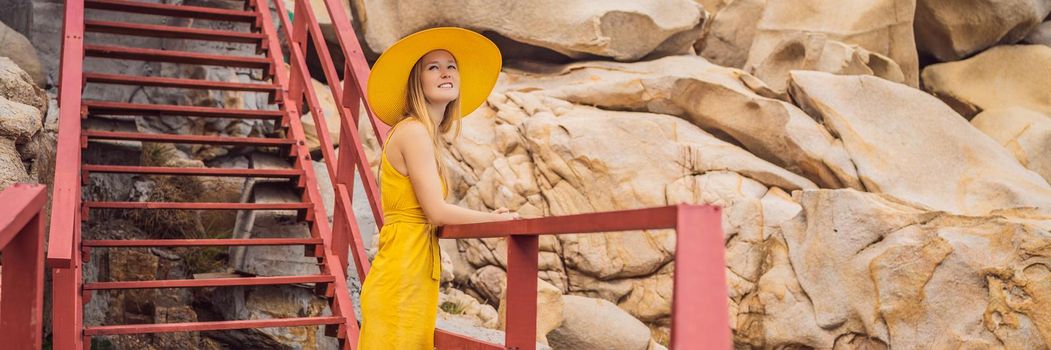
409 132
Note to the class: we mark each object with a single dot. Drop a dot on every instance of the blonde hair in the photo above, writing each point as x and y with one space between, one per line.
416 108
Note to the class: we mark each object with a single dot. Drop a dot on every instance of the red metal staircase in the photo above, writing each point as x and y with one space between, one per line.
68 251
699 319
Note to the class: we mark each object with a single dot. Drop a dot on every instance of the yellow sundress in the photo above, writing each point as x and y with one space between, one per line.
399 298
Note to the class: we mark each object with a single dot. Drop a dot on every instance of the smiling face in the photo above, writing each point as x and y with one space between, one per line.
440 77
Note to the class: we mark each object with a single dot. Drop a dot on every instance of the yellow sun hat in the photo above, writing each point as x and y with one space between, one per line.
477 59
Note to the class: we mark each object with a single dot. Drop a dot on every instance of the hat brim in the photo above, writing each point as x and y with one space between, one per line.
478 62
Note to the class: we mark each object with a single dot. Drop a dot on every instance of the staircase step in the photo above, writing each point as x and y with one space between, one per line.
197 205
122 108
224 172
119 79
210 282
211 326
150 8
160 31
177 138
138 243
171 56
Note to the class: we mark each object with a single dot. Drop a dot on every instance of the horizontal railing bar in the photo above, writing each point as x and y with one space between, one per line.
622 220
211 326
23 202
449 340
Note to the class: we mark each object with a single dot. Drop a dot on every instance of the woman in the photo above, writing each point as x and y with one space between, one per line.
415 87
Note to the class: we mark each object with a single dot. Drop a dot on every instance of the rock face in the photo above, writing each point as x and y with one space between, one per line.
17 85
1041 35
18 121
16 47
727 102
974 176
622 30
883 27
1026 134
730 33
871 271
22 105
1004 76
815 52
950 30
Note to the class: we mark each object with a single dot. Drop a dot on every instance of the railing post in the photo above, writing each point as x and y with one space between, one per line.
520 299
22 301
699 318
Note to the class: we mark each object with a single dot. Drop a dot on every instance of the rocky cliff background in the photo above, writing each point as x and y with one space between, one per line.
883 165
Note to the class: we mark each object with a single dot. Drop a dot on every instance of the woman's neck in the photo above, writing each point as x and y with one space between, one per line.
436 112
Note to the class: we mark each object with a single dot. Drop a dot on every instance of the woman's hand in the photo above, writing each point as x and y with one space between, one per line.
506 214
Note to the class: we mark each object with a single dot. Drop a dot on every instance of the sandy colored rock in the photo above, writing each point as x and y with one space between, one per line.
11 168
456 303
1004 76
549 310
17 85
16 47
897 145
715 98
622 30
877 271
18 122
544 156
953 29
1041 35
714 6
730 32
815 51
598 324
1026 134
883 27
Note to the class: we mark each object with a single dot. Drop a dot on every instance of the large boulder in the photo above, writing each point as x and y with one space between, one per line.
953 29
16 47
1026 134
726 102
917 148
598 324
1004 76
622 30
883 27
871 271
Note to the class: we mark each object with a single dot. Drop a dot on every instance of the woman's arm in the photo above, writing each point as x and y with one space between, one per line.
414 145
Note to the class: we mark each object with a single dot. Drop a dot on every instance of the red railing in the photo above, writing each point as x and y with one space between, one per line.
303 30
699 318
22 261
63 253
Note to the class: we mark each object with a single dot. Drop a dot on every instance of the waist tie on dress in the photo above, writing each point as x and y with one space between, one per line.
416 217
